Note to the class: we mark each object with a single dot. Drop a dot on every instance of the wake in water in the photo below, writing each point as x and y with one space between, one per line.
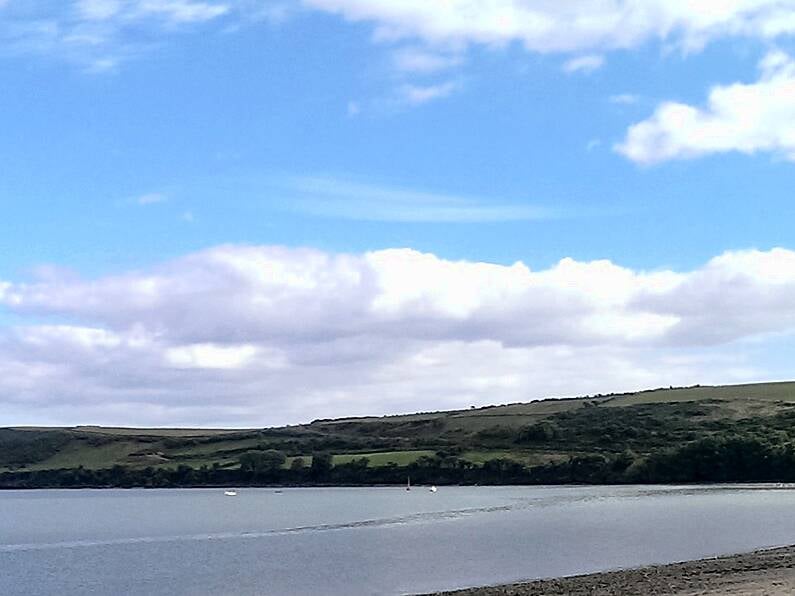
369 523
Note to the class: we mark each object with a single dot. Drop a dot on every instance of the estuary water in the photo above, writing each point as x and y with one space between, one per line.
347 541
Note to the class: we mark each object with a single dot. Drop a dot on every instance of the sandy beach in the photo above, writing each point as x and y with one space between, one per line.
766 572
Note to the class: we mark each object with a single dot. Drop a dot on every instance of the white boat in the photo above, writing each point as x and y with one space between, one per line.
230 493
433 489
408 483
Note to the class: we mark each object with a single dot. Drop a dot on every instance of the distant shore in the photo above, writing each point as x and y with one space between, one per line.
769 572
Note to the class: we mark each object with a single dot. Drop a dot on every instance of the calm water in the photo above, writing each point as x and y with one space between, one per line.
365 541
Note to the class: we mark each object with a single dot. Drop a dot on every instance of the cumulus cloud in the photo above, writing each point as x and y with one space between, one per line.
742 117
735 295
584 64
209 356
255 335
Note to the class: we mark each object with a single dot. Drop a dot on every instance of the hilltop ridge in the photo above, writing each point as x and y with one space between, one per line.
627 432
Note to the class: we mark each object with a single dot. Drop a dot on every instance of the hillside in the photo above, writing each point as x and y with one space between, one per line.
621 437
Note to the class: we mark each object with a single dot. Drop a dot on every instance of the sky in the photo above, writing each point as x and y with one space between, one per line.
247 213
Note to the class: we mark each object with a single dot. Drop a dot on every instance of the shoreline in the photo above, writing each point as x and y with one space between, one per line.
761 485
768 571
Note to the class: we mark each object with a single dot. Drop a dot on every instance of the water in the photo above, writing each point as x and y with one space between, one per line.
342 541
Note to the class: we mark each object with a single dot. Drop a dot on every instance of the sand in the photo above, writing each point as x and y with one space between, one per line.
769 572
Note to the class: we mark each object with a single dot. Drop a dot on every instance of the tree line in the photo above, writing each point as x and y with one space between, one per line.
713 459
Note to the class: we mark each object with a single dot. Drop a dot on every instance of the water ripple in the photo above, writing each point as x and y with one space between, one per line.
369 523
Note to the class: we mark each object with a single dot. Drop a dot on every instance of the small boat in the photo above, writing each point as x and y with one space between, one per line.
433 489
230 493
408 483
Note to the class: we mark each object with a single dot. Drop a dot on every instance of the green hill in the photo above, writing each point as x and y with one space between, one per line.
633 430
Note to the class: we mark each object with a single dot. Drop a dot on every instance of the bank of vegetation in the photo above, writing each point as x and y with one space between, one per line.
675 435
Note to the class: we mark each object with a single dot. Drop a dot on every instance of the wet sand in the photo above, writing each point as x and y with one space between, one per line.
766 572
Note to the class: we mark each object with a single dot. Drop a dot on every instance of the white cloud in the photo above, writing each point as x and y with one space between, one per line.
585 64
98 10
250 335
738 294
574 26
174 11
83 338
439 30
742 117
420 94
181 11
584 30
208 355
100 34
423 61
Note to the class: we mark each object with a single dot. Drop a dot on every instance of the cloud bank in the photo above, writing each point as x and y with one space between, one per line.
101 33
256 335
572 26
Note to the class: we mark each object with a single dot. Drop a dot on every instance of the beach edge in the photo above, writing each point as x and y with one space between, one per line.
768 571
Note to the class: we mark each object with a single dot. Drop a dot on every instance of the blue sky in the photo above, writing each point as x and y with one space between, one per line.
138 134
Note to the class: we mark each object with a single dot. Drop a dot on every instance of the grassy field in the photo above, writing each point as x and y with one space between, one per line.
205 449
783 392
78 454
400 458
